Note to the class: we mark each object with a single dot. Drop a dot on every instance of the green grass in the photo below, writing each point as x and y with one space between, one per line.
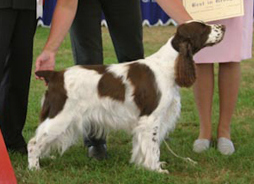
74 166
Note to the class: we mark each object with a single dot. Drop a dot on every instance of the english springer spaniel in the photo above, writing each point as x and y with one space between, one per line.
141 97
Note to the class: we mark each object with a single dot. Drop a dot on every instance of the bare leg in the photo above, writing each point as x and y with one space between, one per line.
229 81
203 91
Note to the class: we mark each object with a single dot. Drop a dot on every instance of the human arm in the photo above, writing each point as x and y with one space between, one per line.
64 14
175 9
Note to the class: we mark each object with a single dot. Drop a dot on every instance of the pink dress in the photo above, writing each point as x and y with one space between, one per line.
237 42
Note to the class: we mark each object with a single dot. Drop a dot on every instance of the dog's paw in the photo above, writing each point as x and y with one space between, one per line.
163 164
52 157
34 168
34 165
164 171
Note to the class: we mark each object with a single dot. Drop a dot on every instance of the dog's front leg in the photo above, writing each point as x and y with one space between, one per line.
33 159
146 144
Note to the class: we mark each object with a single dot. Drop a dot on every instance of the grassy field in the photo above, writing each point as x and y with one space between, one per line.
75 168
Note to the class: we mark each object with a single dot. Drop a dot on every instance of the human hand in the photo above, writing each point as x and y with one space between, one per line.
45 61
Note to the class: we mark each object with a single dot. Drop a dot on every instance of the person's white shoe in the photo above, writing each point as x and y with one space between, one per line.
225 146
201 145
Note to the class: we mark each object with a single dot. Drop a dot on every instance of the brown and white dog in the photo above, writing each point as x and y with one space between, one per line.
141 97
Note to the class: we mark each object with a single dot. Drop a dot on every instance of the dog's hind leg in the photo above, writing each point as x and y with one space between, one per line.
146 144
59 132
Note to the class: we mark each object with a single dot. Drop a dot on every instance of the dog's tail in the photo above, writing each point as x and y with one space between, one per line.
56 94
47 75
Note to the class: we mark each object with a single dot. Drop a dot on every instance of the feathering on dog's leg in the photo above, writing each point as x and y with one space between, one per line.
60 132
146 144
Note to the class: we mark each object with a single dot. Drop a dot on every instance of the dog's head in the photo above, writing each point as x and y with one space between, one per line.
188 40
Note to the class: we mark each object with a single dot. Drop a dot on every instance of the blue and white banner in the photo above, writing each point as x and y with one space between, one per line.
153 15
48 10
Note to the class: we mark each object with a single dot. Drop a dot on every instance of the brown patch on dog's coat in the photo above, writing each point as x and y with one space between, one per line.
111 86
146 95
55 96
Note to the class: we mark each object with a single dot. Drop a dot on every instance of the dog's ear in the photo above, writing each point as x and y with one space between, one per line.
185 74
46 75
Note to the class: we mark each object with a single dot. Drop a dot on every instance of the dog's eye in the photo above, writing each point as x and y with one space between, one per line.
204 29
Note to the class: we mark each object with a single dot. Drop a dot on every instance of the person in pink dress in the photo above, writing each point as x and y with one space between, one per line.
236 46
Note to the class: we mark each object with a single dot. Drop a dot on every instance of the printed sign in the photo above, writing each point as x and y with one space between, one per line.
209 10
